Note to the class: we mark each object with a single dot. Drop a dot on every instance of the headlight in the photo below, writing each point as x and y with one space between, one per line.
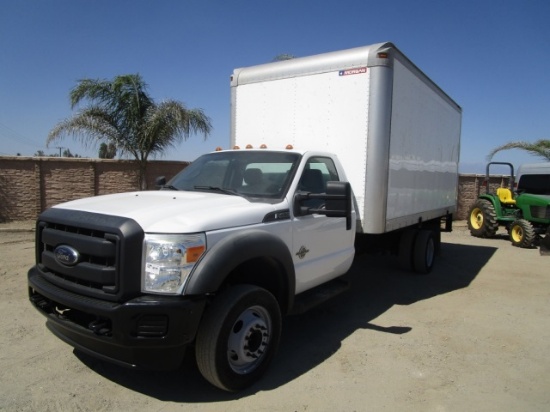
168 261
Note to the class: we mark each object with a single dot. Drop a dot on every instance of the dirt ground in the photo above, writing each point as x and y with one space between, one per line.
473 335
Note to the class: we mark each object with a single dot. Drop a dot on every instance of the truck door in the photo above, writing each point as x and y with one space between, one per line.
322 247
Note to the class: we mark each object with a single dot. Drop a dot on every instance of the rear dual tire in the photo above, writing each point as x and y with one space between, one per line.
417 250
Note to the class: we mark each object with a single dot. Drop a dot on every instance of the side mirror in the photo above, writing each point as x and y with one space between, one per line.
160 182
337 202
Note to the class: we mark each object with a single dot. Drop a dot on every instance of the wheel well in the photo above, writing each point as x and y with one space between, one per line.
263 272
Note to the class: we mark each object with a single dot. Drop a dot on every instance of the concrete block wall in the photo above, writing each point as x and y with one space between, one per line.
470 186
29 185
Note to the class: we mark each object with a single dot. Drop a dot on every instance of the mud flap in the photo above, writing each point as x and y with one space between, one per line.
545 245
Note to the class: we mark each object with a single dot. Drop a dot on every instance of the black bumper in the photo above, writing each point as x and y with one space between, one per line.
148 332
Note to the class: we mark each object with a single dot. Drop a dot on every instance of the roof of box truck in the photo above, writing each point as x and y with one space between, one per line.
320 63
534 169
344 62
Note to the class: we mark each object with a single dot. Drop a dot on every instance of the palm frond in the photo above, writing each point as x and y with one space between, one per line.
88 126
539 148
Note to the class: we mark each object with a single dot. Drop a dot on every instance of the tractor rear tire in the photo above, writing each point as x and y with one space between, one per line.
522 233
482 219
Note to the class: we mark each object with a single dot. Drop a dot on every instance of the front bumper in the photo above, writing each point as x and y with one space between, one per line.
149 331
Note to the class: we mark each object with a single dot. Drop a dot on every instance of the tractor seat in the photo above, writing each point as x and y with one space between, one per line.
505 196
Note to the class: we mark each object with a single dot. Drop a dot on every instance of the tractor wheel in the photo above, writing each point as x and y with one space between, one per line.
522 233
482 219
545 244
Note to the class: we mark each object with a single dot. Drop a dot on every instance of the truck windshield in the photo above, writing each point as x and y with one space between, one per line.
538 184
250 173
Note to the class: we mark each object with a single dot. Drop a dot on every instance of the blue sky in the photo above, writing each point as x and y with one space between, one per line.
492 57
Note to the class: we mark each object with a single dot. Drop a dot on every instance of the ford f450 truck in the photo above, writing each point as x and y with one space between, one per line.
328 152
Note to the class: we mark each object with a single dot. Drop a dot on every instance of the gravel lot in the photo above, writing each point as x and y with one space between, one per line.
474 335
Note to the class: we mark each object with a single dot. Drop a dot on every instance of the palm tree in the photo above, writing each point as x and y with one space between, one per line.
107 151
539 148
121 112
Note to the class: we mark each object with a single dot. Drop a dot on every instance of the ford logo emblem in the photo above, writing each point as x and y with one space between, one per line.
66 255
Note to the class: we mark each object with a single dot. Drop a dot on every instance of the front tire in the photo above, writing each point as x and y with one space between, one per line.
238 337
522 233
482 219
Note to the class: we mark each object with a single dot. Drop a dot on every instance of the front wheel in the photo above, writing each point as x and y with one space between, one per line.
522 233
238 337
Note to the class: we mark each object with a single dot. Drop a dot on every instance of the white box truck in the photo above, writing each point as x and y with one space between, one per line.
346 146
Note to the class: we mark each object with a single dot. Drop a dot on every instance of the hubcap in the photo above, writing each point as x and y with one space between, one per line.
249 339
430 253
517 233
476 218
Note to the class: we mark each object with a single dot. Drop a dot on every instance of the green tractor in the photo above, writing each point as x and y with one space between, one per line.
524 210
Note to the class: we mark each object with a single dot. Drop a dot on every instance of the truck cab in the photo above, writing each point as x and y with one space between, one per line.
252 229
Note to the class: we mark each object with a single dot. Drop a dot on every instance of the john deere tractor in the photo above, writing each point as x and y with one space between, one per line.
524 211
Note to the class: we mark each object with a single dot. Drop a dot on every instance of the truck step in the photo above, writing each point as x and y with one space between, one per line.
320 294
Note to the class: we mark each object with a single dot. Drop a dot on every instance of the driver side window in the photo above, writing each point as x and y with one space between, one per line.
318 171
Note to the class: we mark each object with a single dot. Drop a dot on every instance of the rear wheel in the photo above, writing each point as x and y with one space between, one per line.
522 233
482 219
405 253
424 252
238 337
417 250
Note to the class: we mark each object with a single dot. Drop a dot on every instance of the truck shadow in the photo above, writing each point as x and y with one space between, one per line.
311 338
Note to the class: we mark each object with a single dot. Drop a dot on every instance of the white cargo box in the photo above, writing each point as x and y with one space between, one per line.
396 133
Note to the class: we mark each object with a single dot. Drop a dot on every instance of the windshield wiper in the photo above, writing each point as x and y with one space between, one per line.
168 187
219 189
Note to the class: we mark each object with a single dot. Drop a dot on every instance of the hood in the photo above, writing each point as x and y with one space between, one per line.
176 212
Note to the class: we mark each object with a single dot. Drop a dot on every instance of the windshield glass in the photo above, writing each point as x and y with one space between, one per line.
534 184
253 174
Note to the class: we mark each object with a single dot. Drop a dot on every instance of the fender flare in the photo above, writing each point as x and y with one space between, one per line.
230 252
